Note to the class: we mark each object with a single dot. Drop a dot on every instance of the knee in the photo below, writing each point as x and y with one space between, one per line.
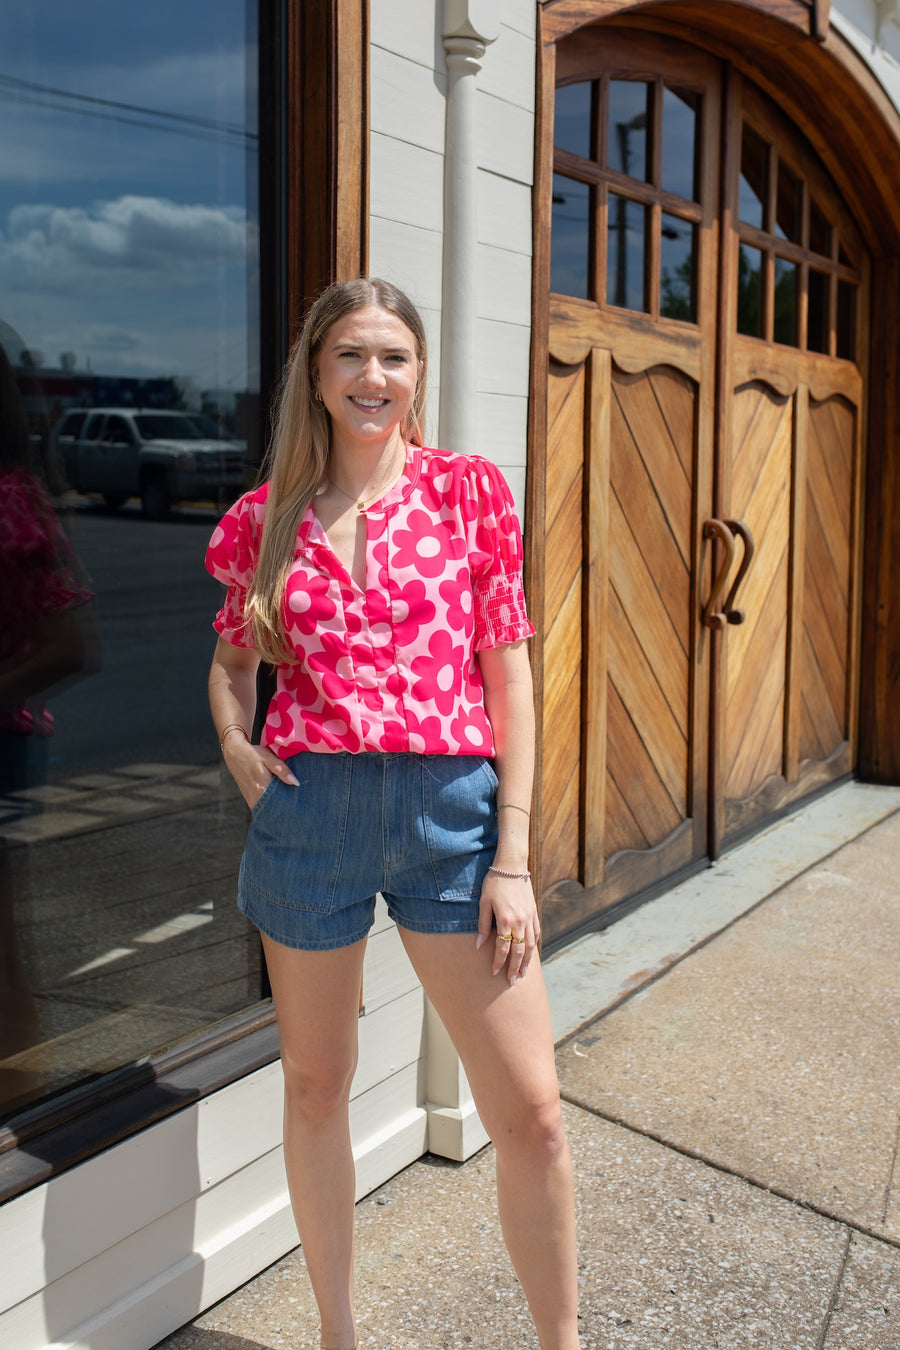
316 1091
536 1133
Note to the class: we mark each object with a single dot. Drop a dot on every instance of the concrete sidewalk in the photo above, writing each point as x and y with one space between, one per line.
733 1108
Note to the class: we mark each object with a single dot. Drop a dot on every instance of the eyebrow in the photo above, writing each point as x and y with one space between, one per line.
358 346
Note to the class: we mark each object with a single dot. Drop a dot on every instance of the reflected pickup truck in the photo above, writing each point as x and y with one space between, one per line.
160 456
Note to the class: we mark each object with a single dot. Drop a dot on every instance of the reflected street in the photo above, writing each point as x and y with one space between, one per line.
154 605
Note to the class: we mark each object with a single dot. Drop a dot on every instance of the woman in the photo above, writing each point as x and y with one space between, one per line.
383 581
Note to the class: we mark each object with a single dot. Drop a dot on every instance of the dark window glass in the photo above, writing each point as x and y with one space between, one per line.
625 266
572 118
788 215
752 190
749 291
128 278
677 269
629 102
570 238
843 258
819 230
846 321
784 327
817 312
681 121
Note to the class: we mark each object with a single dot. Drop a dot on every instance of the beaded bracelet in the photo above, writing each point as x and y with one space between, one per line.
511 876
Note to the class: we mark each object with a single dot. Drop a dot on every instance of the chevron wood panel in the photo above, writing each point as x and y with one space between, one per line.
563 601
827 562
651 458
756 651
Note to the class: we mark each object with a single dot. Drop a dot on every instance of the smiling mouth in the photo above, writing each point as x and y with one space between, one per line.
369 404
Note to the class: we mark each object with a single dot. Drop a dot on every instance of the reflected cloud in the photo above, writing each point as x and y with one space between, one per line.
65 247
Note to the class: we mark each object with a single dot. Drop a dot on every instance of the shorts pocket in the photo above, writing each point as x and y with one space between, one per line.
267 792
459 822
292 857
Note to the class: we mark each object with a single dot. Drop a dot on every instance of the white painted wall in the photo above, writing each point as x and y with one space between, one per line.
408 83
120 1251
858 22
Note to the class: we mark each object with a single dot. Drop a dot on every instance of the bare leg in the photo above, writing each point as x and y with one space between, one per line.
504 1038
317 1001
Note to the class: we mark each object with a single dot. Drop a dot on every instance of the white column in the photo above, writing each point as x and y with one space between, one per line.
454 1129
469 27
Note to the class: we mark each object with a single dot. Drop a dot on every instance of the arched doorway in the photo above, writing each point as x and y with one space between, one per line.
700 492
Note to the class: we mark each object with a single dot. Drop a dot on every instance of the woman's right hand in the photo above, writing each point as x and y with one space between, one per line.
253 766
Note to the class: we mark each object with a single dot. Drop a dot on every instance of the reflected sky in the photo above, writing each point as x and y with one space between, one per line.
124 157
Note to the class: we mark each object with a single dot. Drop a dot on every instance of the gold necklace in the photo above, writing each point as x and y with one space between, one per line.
362 505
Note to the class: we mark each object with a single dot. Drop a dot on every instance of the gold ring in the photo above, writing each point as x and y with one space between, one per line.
518 941
504 937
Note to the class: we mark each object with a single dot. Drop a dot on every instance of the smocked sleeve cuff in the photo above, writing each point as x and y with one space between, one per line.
230 623
500 615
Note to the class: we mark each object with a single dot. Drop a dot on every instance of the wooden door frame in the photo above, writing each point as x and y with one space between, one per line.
327 131
787 49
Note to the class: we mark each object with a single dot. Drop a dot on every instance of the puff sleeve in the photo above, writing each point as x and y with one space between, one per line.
495 557
231 558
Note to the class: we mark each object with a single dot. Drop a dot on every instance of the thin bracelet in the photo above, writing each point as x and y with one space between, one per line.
512 876
232 726
511 806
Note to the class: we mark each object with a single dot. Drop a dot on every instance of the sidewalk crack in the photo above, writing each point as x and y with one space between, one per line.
841 1220
888 1190
835 1293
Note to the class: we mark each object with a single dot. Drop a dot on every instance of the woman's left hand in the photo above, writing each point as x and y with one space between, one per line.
509 904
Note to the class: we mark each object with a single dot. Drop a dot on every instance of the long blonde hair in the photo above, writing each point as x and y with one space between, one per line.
298 454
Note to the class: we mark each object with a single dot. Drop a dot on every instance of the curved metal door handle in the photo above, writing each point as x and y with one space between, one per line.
717 529
739 528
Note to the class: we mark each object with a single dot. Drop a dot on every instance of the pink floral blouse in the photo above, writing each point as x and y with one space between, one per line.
391 667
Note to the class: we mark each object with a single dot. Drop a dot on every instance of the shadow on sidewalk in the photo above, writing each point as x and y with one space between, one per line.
198 1338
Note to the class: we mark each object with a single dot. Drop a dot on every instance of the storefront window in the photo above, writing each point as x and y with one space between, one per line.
129 377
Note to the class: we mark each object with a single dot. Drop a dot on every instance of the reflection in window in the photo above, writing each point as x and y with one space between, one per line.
752 189
570 235
679 136
572 118
677 269
846 321
819 230
128 279
788 206
627 122
784 327
817 312
749 309
625 267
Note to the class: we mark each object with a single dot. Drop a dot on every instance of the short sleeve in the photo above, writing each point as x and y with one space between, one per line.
495 558
231 558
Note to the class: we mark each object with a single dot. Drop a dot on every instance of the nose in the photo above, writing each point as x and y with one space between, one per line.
372 375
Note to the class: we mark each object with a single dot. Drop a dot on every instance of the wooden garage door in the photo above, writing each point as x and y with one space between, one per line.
703 396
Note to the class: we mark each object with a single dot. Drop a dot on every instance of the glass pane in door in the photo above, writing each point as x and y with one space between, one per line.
627 122
677 269
754 177
572 118
681 109
626 251
570 237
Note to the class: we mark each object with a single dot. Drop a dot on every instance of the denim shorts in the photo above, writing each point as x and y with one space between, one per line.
419 829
